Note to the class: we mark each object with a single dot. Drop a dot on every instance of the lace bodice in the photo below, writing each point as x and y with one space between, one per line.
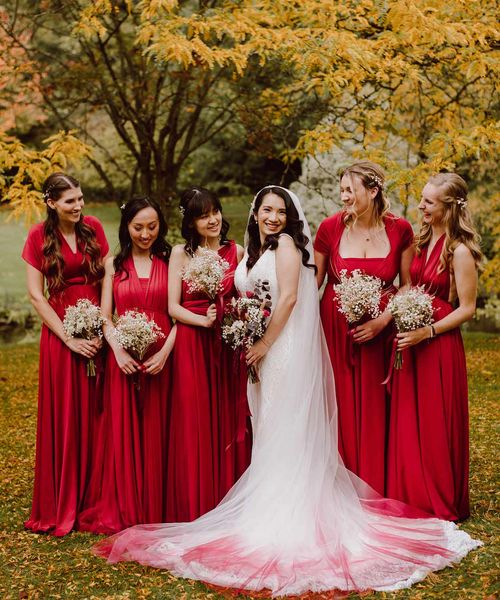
263 270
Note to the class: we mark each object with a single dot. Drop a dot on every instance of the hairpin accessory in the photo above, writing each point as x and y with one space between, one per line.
182 210
122 207
46 194
377 180
462 202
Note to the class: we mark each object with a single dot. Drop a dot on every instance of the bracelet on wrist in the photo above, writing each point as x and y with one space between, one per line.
433 332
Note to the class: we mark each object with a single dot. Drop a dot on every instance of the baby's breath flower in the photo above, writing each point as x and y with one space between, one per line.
135 332
84 320
411 310
358 295
205 273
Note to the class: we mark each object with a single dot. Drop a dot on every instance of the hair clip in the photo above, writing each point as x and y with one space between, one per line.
122 207
182 210
462 202
46 194
376 179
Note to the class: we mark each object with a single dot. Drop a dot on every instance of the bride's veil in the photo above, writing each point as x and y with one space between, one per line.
310 321
315 370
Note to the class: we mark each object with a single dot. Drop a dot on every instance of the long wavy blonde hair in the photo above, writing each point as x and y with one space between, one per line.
371 176
459 227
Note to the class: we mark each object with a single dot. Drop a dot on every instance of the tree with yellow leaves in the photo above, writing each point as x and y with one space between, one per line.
23 170
410 83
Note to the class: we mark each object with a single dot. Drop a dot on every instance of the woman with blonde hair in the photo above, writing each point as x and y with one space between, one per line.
427 462
364 235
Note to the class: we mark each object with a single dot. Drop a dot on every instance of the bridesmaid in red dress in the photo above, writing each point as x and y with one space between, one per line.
209 448
129 479
365 236
428 457
66 253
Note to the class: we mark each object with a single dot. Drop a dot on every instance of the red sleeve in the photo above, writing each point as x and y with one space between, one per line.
322 242
33 248
406 233
99 233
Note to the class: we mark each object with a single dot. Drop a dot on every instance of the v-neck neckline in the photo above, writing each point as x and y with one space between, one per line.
73 252
429 255
135 269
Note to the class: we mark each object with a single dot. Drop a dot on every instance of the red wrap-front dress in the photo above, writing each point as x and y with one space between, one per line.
209 447
129 480
68 399
428 455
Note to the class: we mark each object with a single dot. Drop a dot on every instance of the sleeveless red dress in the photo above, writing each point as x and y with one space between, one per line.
209 409
67 398
428 457
360 369
129 480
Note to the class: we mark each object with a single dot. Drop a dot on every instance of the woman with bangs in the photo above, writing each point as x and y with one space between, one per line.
64 254
428 435
209 446
364 235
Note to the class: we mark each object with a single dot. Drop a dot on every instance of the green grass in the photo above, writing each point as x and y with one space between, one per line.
12 270
40 566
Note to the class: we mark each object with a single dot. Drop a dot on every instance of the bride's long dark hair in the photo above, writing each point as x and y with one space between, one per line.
294 227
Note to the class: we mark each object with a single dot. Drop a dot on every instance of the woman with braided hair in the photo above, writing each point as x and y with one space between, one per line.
65 254
364 235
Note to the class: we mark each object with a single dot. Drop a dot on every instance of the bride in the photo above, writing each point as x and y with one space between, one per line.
297 520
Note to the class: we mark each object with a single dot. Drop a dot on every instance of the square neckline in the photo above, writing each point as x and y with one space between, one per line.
365 257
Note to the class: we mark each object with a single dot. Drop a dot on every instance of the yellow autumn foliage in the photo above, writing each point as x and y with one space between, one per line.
410 83
23 170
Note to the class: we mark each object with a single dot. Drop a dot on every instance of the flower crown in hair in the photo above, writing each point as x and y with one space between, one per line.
378 181
462 202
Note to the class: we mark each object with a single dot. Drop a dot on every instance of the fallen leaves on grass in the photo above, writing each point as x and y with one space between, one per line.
41 566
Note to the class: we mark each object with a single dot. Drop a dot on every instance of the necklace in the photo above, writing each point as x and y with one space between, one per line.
366 233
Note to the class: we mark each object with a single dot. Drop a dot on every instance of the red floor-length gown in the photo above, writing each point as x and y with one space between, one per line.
360 369
428 455
129 482
208 447
67 398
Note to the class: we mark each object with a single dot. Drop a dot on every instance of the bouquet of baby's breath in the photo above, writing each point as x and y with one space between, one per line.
245 320
358 295
135 332
84 320
205 272
411 310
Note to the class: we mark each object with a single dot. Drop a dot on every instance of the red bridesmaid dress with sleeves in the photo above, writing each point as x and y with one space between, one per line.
129 481
205 457
428 456
360 369
67 398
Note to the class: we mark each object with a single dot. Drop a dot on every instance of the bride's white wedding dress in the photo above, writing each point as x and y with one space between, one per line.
297 520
